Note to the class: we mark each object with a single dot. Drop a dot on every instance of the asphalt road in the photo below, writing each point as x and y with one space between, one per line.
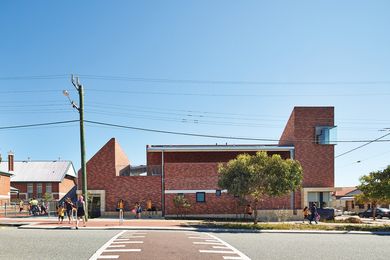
83 244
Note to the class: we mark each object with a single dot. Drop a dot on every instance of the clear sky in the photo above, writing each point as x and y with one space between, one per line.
270 55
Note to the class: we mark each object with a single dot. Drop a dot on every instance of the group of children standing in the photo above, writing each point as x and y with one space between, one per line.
137 210
311 214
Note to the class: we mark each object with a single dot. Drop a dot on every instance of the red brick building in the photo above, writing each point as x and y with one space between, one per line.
5 187
35 178
191 170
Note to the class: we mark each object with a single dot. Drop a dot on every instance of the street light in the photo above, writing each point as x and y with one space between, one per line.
80 108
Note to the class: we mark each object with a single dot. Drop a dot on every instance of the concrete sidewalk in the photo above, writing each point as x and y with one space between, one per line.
151 224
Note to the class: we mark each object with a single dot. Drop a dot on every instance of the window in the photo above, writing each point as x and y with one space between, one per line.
201 197
326 135
39 190
48 188
30 190
218 193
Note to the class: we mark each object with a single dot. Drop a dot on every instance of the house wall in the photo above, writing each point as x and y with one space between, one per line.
22 187
5 187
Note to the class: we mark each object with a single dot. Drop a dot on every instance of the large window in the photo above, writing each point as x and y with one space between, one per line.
322 199
30 190
326 135
48 188
200 197
39 190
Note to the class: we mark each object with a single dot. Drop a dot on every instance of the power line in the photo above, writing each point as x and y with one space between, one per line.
360 146
234 82
39 124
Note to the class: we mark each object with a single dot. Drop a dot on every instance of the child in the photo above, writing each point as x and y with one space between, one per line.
305 214
61 213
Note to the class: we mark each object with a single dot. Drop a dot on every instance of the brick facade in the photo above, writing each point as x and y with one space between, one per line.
193 170
5 187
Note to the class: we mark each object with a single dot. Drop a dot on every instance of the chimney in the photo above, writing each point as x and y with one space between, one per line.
10 161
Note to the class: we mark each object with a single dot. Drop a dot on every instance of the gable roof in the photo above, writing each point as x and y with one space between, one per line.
41 171
343 191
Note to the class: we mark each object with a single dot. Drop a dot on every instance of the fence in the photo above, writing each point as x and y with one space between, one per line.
12 209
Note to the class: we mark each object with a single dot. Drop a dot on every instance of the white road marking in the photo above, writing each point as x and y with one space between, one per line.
216 252
122 250
211 240
137 236
232 257
242 255
108 257
139 233
100 250
207 243
220 247
128 242
116 246
122 239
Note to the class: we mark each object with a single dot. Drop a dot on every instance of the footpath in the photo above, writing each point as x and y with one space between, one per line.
44 222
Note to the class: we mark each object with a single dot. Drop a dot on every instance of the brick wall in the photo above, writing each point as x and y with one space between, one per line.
102 171
317 160
67 184
4 185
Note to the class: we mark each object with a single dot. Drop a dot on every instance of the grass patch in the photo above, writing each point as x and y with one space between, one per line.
292 226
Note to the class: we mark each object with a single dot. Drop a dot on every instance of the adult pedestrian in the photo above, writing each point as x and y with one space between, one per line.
314 213
68 207
80 204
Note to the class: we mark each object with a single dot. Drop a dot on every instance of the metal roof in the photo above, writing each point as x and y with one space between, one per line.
216 148
40 171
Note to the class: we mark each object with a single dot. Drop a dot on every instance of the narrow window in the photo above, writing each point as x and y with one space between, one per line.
30 190
39 190
48 188
200 197
218 193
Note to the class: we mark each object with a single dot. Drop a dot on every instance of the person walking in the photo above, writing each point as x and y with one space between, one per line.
314 213
68 207
80 205
120 208
305 214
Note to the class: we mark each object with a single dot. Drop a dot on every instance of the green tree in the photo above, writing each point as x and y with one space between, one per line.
375 189
181 204
47 197
260 175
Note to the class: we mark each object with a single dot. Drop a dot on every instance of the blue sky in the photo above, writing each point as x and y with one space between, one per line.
292 49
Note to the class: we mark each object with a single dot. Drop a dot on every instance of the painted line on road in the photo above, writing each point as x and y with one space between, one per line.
122 239
100 250
116 246
207 243
122 250
136 236
211 240
108 257
242 255
220 247
128 242
232 257
216 251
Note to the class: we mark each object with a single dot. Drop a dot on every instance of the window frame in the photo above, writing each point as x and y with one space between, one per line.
200 193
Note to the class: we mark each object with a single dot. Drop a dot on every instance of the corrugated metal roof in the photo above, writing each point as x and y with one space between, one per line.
40 171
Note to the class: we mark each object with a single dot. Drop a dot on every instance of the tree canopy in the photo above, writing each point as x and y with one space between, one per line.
375 188
260 175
